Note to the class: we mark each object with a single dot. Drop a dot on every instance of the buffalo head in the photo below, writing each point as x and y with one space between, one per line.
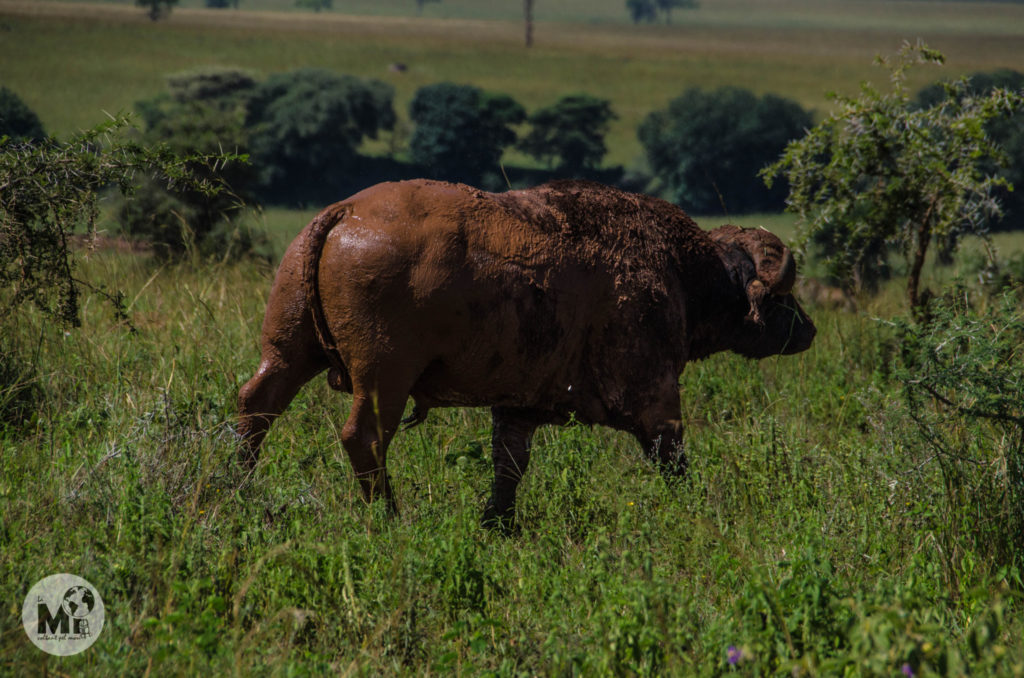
762 271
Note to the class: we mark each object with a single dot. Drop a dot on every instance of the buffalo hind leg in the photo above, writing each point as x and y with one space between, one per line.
264 397
512 431
372 423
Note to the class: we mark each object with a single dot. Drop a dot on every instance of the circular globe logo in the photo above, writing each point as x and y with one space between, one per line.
63 614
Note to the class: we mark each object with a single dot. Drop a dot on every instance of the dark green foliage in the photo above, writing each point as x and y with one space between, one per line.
648 10
315 5
221 4
962 371
642 10
707 148
157 9
1007 132
666 7
881 173
421 3
462 131
17 120
51 191
571 131
306 126
202 114
226 89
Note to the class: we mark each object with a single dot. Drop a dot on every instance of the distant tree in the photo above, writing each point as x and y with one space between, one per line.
648 10
1006 131
880 170
17 120
306 126
223 88
157 9
421 3
666 7
461 131
571 131
202 113
707 147
221 4
315 5
642 10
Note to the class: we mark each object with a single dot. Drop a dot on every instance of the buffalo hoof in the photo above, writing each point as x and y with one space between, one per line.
503 522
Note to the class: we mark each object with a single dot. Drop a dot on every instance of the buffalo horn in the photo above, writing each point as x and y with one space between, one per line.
784 278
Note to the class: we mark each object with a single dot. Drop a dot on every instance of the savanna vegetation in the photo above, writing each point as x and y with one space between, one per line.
852 510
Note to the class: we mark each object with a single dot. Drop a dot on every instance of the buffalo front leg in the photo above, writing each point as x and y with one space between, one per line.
660 431
663 445
512 431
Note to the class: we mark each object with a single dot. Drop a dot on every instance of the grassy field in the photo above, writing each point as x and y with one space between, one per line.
817 534
72 62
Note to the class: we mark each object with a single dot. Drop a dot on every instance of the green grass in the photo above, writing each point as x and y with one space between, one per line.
810 514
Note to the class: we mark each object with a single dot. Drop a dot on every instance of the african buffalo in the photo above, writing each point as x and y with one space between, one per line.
572 299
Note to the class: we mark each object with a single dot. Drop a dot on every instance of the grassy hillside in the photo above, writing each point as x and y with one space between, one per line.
71 62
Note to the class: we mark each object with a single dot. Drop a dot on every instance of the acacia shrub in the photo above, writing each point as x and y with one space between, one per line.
880 173
1006 131
52 190
962 383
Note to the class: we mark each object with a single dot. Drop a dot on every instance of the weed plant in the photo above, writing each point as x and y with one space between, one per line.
815 535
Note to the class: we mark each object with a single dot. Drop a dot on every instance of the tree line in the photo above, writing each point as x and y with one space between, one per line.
638 10
302 132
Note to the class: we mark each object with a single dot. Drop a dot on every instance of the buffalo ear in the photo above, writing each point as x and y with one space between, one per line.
756 295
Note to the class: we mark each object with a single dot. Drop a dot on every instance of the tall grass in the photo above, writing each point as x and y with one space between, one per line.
806 539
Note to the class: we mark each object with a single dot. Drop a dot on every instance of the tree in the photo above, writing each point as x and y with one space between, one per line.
879 171
707 147
648 10
17 120
51 188
572 131
420 4
315 5
642 10
666 7
202 113
157 9
306 125
1006 131
461 131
